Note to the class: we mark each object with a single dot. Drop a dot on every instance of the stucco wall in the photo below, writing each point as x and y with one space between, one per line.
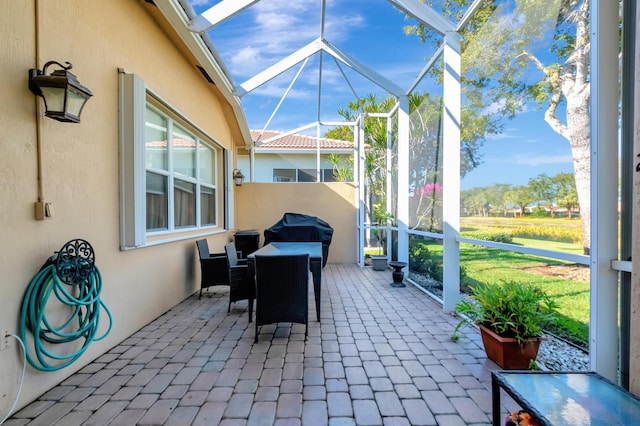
80 165
260 205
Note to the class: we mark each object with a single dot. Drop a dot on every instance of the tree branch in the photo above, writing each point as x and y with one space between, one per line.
550 114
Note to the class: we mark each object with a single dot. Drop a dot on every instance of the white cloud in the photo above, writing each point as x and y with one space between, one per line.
247 59
277 91
540 160
496 107
271 30
510 133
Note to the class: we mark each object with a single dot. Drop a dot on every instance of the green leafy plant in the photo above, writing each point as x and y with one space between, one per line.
423 261
511 309
384 219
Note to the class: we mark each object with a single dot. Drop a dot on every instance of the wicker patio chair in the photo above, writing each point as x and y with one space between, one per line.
213 267
242 284
282 290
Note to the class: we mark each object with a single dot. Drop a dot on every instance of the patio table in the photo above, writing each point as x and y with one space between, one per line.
314 250
566 398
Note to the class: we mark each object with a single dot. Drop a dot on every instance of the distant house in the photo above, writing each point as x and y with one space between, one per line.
283 157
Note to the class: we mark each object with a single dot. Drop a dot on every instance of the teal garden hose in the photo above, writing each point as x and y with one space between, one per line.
76 282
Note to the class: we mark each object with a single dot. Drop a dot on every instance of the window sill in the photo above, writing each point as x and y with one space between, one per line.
170 237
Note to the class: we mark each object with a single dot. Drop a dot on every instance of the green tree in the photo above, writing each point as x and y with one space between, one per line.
565 191
476 201
497 197
375 141
425 152
542 189
520 197
506 68
342 166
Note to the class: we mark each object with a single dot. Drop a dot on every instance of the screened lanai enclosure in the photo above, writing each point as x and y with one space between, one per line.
485 135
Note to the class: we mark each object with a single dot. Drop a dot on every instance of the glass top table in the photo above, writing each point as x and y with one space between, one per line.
566 398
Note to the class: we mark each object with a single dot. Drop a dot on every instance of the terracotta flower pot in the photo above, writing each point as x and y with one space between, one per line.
507 352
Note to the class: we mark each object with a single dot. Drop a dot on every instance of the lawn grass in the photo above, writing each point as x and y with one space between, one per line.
487 265
550 245
498 266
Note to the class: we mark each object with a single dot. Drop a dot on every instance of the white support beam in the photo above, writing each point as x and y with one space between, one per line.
346 79
362 69
219 13
634 349
337 123
201 47
470 13
318 137
280 67
359 162
451 171
425 14
603 325
426 69
290 132
284 96
403 178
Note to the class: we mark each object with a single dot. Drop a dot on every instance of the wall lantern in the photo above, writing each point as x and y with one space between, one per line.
238 177
64 96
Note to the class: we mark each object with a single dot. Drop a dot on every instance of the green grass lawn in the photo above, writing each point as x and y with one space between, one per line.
487 265
496 266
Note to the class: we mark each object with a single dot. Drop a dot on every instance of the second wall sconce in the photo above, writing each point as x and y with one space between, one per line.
238 177
64 96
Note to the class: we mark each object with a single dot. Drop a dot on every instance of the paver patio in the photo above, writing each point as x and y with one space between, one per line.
380 355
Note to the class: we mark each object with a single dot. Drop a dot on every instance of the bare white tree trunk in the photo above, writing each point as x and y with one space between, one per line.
571 82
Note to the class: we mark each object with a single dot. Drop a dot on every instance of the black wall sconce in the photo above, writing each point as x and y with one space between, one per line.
64 96
238 177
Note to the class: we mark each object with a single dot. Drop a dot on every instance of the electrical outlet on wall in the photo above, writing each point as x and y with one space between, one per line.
5 340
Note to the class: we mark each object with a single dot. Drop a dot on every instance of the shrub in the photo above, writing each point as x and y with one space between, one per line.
422 261
425 262
501 236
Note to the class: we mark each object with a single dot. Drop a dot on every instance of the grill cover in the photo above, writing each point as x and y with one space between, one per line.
303 228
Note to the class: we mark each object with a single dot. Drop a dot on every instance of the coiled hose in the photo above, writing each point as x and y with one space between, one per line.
85 308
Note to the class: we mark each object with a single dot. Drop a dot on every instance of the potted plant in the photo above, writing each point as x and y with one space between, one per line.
383 218
511 317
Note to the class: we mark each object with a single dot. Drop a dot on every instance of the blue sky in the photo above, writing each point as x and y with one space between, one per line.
372 32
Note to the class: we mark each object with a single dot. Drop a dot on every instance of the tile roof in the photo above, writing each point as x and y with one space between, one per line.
295 141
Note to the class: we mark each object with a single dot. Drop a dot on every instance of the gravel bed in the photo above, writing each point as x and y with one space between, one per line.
557 355
554 354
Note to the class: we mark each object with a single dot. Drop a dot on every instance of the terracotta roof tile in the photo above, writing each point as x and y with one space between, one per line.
295 141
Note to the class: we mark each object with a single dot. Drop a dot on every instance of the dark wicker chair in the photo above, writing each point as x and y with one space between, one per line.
242 284
213 267
282 290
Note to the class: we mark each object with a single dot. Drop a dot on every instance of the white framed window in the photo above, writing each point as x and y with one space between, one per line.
302 175
181 176
170 170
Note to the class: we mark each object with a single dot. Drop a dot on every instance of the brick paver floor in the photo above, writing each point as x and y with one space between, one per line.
379 356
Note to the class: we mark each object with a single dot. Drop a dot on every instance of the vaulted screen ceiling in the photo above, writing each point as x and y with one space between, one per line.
295 62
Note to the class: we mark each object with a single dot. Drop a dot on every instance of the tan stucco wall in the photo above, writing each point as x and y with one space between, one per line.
260 205
81 165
